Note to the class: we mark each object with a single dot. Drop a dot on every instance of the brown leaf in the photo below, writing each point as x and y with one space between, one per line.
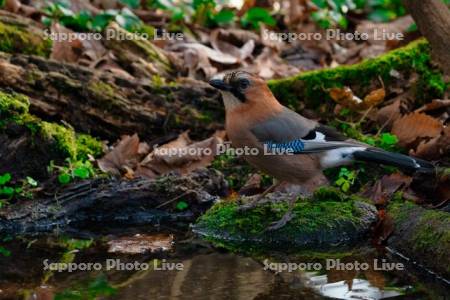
124 156
433 105
435 148
375 97
12 6
414 127
223 46
64 49
180 155
387 115
384 188
344 96
141 243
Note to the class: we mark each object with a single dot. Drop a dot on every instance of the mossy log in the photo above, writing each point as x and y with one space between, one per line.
107 204
22 35
137 55
28 144
325 221
422 235
312 88
108 106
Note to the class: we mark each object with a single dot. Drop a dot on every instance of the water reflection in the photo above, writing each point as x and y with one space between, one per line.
353 289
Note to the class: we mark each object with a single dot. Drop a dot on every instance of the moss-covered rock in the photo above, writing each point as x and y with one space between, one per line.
422 235
312 87
16 38
318 223
28 143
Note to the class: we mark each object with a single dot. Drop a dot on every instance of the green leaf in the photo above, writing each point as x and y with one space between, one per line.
181 205
31 181
100 21
256 15
346 186
64 178
412 28
7 191
2 3
224 17
5 178
389 138
131 3
81 172
5 251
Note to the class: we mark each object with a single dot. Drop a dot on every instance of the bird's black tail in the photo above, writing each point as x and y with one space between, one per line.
394 159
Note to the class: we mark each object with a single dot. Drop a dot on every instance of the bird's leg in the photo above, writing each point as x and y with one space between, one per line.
285 218
254 202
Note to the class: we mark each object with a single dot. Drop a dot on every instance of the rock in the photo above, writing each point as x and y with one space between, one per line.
318 223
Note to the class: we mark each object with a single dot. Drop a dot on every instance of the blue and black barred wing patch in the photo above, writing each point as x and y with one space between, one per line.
295 147
305 146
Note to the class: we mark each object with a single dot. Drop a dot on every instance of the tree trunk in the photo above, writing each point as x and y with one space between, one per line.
433 20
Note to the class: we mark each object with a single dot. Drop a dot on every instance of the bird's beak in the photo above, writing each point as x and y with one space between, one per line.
219 84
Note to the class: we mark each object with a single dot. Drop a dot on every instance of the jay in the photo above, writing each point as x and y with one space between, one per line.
254 118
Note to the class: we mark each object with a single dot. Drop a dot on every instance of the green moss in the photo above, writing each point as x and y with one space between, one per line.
315 222
312 87
14 109
87 145
427 234
101 89
16 39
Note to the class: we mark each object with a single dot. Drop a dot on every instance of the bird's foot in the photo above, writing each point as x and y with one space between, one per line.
282 222
250 205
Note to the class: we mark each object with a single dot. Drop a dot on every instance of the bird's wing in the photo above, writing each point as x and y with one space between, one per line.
290 130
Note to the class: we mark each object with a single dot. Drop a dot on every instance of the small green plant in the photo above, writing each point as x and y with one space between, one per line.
201 12
88 291
346 179
182 205
333 13
85 21
386 141
9 190
255 16
72 171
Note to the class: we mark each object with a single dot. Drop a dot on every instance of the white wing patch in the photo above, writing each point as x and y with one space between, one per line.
319 136
339 157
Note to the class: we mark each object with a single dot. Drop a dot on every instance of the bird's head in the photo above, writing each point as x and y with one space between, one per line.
241 89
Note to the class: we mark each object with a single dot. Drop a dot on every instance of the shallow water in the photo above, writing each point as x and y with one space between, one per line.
204 273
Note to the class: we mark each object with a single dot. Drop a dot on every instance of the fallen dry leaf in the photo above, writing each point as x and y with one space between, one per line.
387 115
437 147
226 47
12 6
181 156
141 243
374 98
414 127
381 192
64 49
344 96
433 105
124 156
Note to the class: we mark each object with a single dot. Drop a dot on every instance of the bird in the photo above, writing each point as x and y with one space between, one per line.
255 118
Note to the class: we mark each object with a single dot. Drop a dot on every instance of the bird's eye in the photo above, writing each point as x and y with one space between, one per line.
243 84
